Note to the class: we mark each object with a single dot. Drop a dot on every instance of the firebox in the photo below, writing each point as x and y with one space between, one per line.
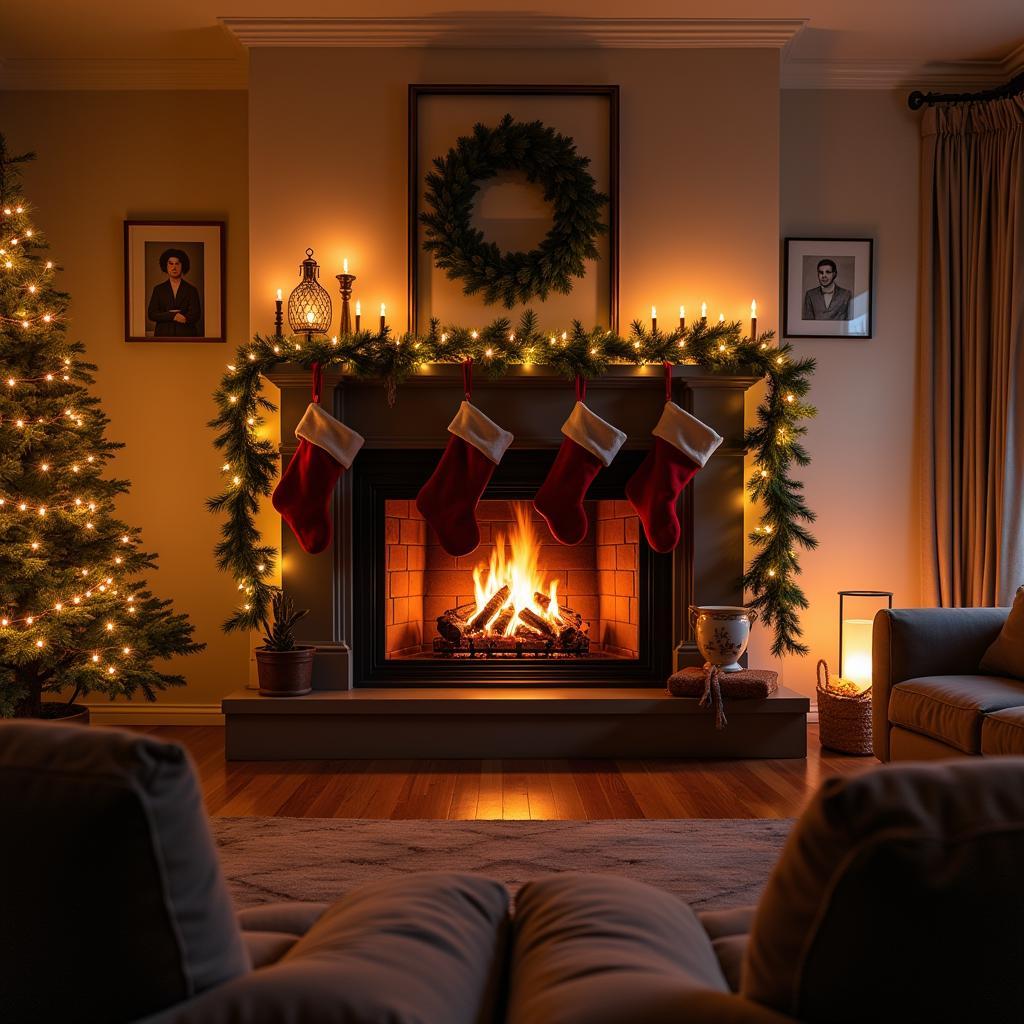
520 608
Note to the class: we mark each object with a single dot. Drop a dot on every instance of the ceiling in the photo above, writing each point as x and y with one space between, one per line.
198 43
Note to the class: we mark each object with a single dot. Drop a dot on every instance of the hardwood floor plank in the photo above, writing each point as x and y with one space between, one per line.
493 789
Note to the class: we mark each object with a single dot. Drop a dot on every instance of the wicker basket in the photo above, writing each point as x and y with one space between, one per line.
844 720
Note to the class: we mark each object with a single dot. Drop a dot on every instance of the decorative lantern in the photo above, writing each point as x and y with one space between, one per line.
309 305
855 638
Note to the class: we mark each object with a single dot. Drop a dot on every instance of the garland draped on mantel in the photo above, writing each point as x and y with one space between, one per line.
251 464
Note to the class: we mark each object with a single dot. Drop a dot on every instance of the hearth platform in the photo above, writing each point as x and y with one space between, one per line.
505 722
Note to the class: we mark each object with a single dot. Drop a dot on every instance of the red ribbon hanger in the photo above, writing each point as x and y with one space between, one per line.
318 382
467 377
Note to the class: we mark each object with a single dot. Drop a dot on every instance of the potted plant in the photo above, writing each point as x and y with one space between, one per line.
285 668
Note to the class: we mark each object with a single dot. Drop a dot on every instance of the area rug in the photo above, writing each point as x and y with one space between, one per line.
710 863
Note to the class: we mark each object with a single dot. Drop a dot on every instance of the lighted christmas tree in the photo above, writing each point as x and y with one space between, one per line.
74 616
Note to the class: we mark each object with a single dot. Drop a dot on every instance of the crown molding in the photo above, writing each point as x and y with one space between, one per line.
805 73
517 31
132 73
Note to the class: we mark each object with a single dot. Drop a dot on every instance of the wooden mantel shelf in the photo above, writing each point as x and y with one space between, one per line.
508 722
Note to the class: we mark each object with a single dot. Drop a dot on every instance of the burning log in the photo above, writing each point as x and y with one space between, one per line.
529 633
531 618
453 625
572 629
490 609
502 621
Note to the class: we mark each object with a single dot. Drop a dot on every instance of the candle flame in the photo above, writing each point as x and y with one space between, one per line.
278 294
753 307
344 266
704 309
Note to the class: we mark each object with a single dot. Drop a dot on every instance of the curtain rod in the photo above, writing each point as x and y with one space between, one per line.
1013 87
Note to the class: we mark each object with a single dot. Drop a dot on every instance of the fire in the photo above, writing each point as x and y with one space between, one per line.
513 564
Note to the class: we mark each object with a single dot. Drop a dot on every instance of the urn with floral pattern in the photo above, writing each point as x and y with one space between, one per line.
722 632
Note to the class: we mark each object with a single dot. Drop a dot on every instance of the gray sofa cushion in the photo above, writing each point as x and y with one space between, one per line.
111 884
1002 732
952 708
421 949
894 899
1006 655
590 949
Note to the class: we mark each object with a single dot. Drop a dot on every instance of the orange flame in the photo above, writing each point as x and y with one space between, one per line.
514 563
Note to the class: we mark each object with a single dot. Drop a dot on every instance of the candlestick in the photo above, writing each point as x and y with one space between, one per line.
753 320
345 280
682 318
654 320
278 315
704 312
359 314
383 314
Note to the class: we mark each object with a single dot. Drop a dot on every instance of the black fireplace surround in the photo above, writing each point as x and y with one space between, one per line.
344 587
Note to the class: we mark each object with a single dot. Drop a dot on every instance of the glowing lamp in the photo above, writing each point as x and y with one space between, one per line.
309 305
855 634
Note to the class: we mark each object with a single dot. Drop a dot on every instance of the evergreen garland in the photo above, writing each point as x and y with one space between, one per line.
251 465
544 156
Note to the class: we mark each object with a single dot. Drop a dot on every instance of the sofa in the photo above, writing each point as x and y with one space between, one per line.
894 899
934 695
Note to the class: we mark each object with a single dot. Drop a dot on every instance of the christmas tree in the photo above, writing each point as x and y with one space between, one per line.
74 616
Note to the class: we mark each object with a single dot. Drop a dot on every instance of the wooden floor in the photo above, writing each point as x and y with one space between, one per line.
507 789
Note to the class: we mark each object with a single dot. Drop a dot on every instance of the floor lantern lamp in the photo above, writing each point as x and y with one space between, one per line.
855 635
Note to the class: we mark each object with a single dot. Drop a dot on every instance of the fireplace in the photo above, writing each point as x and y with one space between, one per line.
376 595
384 687
522 608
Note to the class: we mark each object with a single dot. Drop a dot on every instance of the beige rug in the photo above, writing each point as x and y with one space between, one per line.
709 863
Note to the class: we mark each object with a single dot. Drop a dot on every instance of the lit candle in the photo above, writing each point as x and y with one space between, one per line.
344 266
753 320
704 311
278 315
654 318
359 313
682 318
383 314
721 318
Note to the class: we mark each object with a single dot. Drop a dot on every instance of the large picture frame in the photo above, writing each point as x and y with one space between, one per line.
514 216
174 281
828 288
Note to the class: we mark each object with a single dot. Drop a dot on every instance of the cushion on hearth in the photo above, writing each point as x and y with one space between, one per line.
114 905
408 950
1006 655
598 948
1002 732
897 898
951 708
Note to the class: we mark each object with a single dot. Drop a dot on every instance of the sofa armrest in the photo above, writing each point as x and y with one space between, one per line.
911 642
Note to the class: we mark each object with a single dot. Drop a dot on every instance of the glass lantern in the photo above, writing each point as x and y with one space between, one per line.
309 305
855 636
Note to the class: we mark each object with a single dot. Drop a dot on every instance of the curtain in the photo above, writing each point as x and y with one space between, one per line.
971 352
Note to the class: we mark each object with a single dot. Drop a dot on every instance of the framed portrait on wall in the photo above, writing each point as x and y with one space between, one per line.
174 281
509 214
828 287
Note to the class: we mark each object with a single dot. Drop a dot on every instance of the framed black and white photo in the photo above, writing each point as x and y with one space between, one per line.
828 287
510 211
174 278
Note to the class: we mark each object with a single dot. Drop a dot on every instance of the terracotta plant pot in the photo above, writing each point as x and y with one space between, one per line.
285 673
66 714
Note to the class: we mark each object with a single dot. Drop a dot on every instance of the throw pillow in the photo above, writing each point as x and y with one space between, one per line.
1006 655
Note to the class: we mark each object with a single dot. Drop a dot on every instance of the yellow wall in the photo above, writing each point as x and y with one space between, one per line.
104 157
850 170
315 155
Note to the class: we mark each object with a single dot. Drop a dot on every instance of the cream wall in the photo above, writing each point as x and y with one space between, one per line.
104 157
849 163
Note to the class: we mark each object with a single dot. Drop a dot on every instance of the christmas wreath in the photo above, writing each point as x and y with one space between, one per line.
545 157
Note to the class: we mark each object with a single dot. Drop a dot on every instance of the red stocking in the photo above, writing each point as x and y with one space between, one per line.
590 443
303 495
448 500
682 445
